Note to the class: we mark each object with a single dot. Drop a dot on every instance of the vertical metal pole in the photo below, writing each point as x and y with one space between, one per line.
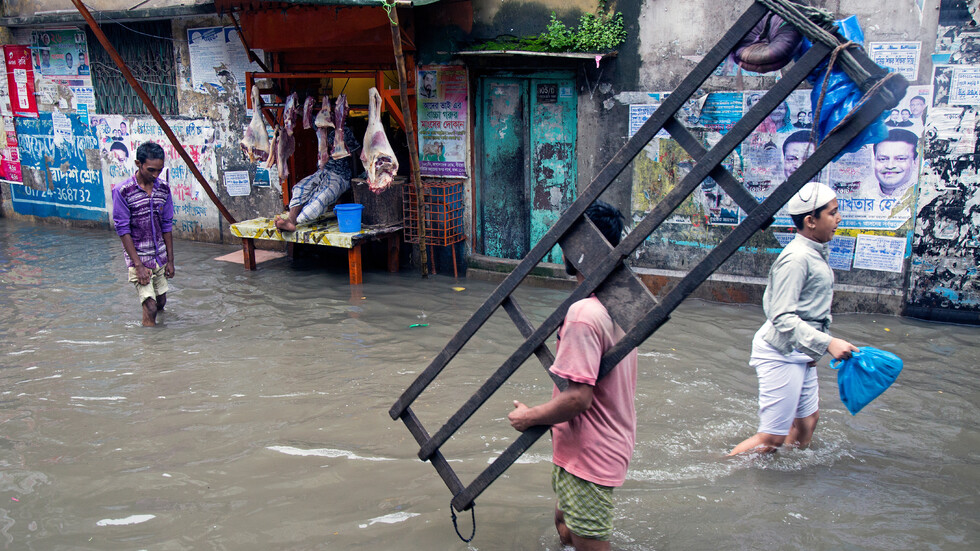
413 150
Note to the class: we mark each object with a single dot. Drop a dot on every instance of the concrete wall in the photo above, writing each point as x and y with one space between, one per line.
667 38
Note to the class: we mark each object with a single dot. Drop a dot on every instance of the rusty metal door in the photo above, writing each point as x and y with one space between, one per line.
527 161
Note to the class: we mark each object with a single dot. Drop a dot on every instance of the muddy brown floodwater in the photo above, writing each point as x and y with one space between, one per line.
256 417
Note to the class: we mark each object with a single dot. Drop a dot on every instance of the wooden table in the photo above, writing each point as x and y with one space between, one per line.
324 232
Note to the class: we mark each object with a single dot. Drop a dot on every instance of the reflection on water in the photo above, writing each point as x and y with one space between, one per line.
255 417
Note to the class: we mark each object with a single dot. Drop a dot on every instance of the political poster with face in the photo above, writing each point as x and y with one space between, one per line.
876 185
60 52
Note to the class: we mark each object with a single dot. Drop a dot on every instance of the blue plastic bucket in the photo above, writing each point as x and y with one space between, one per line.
349 217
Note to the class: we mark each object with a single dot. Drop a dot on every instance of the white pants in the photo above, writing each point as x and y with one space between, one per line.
788 388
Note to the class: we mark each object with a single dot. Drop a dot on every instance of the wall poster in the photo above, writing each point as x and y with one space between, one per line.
61 183
212 48
118 138
20 80
442 108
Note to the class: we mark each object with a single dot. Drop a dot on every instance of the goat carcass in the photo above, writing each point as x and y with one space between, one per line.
323 122
283 141
308 104
255 144
376 155
339 116
290 113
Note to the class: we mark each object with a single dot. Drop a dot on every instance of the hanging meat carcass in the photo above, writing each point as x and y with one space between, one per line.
308 104
339 117
287 142
377 156
255 144
283 141
290 113
274 147
323 123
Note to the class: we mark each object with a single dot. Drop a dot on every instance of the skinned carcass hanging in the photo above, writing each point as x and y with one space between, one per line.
255 144
308 104
323 123
339 118
377 156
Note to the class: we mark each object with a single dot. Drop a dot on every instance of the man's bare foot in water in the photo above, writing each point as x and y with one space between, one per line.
285 224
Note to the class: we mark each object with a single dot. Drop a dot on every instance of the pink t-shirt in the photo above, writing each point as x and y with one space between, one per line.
597 444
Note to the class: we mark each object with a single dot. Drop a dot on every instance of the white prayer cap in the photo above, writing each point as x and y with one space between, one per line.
810 197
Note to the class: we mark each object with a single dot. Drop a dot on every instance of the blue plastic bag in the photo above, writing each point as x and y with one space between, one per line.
864 376
842 95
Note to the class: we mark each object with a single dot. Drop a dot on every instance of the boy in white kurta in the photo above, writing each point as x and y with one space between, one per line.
796 334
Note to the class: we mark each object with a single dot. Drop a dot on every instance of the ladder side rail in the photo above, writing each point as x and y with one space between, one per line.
867 114
657 215
602 180
834 144
464 499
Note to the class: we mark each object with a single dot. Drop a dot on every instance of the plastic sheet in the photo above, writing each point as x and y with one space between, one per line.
842 95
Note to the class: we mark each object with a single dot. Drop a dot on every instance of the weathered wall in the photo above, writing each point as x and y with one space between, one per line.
210 124
665 56
944 282
226 111
667 38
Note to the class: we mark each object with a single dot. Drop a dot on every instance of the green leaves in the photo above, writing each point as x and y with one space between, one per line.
596 32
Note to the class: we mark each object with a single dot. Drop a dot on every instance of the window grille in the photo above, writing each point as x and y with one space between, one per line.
147 48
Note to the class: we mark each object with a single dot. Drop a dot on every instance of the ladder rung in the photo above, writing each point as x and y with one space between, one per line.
720 174
602 180
524 326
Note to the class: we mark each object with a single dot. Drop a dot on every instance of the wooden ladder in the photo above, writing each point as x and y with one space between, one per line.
629 302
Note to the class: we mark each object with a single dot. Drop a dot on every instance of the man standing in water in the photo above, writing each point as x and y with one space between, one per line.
143 213
593 421
786 348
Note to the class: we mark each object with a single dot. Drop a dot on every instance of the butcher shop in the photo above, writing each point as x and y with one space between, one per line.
335 105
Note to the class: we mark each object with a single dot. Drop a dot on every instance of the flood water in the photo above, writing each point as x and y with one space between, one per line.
256 417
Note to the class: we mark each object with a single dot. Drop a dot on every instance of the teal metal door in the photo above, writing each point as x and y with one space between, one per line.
528 165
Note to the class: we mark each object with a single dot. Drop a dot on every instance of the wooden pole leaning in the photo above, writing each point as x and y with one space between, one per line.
117 59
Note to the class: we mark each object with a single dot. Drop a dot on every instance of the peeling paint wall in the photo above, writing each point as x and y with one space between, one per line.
225 109
944 282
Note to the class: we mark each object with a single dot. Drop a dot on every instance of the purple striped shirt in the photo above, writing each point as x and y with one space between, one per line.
146 218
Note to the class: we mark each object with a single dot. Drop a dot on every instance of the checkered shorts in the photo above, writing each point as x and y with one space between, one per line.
587 507
316 192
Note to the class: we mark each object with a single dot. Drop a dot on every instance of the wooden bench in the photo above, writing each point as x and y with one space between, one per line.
324 232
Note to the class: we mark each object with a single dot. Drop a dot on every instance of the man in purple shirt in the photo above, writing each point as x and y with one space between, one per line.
143 212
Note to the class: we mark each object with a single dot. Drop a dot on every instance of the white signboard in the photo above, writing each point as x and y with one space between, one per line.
237 184
901 57
877 252
214 48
